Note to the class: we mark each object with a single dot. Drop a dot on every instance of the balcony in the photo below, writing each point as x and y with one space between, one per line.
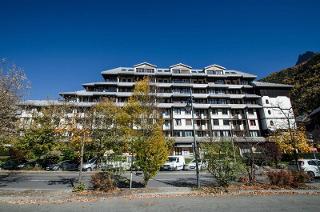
201 127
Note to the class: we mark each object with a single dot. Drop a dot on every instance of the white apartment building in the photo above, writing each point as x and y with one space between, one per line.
227 103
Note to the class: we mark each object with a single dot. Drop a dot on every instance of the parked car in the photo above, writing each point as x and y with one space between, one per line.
67 165
10 165
192 165
174 163
28 165
90 164
310 166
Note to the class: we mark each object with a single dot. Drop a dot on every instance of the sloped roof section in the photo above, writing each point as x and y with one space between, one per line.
181 64
115 70
269 84
214 66
145 63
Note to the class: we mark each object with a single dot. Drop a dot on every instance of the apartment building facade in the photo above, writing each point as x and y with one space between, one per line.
227 103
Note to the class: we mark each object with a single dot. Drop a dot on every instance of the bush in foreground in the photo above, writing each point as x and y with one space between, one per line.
103 181
224 162
79 187
286 178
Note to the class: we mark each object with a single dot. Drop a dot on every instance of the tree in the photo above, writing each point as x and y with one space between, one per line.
251 157
109 131
78 127
224 163
13 83
143 128
152 152
292 140
39 137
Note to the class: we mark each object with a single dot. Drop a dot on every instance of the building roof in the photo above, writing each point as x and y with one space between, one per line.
128 70
145 63
215 65
78 93
181 64
44 103
269 84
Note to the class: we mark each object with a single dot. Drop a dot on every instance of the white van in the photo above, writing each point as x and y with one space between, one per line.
174 163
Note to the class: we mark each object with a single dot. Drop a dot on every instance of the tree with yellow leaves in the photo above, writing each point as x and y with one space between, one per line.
293 141
109 132
144 130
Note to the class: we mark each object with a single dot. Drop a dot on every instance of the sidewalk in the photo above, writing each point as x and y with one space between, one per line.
67 196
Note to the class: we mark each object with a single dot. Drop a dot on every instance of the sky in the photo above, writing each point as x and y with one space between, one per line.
62 44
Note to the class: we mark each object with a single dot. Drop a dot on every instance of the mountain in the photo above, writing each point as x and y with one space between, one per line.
305 78
305 57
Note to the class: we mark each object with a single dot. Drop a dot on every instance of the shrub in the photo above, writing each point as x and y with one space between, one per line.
287 178
69 154
79 187
300 178
51 158
224 162
103 181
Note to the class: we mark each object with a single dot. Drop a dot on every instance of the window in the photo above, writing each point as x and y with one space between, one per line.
225 111
225 133
216 133
252 122
188 134
177 133
312 163
166 123
271 123
215 122
188 122
178 122
225 122
214 111
267 101
198 122
188 112
250 111
253 133
177 111
269 112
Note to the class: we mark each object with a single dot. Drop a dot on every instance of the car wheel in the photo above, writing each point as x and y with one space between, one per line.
89 169
311 175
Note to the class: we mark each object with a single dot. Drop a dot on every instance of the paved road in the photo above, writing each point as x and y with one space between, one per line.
64 180
295 203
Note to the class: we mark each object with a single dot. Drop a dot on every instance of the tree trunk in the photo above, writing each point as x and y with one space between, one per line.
296 159
131 171
81 161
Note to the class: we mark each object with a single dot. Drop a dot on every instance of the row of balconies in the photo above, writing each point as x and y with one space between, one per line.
200 99
105 85
180 79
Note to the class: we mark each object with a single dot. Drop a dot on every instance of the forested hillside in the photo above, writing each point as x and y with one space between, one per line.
305 78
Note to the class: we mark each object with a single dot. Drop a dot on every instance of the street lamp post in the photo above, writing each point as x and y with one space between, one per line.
189 107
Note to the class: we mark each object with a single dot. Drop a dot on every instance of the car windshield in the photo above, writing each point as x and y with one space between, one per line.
172 159
92 160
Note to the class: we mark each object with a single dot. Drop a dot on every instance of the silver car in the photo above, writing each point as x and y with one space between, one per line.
90 165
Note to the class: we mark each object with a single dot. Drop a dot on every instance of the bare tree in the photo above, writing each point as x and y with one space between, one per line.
13 84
